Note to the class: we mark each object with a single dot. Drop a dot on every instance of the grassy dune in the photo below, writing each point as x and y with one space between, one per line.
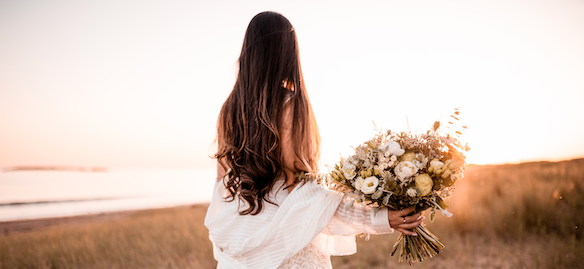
527 215
160 238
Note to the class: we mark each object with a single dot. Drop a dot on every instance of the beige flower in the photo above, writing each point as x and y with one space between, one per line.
408 157
435 166
369 185
446 173
404 170
377 169
358 183
366 173
424 184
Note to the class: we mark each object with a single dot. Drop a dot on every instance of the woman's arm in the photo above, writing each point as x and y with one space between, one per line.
359 219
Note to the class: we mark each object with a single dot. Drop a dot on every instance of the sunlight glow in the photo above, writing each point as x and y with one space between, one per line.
144 86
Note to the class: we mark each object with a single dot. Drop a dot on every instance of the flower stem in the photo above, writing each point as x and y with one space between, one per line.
417 248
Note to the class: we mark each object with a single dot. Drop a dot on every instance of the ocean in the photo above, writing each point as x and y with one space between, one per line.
44 194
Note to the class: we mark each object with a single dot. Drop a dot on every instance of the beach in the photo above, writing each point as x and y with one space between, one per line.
19 226
34 194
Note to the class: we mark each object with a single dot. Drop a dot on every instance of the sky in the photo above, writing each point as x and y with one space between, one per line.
140 83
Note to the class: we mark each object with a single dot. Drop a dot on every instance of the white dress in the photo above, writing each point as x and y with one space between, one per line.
308 226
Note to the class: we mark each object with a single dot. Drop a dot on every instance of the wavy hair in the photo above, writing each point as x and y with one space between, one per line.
249 126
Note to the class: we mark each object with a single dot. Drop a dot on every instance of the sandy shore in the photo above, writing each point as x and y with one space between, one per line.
16 226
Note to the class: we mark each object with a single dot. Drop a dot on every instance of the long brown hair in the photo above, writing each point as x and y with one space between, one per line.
250 122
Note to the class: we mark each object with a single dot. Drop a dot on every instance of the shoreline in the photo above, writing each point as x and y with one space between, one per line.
28 225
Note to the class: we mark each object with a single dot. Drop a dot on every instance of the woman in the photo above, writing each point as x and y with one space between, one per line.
261 216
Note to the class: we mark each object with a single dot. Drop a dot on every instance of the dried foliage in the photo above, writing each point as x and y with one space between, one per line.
399 170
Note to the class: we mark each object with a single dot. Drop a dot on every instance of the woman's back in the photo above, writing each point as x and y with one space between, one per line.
266 133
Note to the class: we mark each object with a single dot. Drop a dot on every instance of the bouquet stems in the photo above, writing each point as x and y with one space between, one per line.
417 248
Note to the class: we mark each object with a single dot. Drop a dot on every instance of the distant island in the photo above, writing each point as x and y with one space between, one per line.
53 168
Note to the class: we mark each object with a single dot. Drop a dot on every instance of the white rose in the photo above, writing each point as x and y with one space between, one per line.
369 185
358 183
393 148
412 192
348 170
404 170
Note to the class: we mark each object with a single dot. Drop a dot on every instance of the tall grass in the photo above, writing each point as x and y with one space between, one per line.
512 201
165 238
527 215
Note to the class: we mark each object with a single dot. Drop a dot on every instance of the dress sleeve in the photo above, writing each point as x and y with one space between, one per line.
357 220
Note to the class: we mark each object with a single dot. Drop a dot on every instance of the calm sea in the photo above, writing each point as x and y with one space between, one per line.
43 194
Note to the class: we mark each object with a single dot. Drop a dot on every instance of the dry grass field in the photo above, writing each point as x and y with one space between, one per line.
527 215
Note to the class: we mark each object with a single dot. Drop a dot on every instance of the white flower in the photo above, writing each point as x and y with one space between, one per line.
348 170
369 185
393 148
404 170
412 192
382 159
358 183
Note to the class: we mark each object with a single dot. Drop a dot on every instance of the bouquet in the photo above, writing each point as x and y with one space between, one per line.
399 170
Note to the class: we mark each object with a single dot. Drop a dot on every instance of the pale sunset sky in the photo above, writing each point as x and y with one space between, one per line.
140 83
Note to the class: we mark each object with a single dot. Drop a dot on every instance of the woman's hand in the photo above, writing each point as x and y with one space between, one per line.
400 220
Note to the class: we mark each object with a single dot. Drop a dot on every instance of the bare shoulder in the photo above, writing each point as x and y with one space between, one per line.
287 113
220 171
